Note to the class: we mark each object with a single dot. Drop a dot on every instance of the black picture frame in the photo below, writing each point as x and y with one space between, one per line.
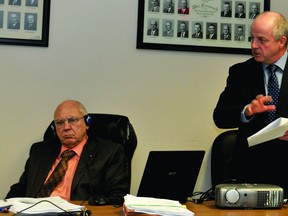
24 22
203 13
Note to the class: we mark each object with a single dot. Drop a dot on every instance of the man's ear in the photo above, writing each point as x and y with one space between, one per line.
283 41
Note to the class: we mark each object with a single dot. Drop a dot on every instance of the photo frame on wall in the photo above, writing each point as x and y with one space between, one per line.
24 22
221 26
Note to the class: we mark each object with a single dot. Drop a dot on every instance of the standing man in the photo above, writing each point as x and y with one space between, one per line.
95 167
248 104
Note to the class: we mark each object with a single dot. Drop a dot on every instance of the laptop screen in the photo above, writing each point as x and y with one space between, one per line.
171 174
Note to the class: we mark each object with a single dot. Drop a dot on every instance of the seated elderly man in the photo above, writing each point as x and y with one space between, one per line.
73 166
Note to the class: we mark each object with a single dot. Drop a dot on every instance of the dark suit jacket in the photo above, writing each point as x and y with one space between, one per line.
262 163
165 10
253 15
228 37
156 33
228 14
30 27
244 82
101 170
243 15
34 4
185 36
199 36
214 37
18 2
17 26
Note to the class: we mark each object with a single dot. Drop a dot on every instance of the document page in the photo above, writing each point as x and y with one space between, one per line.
154 206
42 206
273 130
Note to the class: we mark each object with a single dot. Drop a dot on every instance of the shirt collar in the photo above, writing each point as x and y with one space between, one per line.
77 149
280 63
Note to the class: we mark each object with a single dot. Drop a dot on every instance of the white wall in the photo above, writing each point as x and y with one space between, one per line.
169 96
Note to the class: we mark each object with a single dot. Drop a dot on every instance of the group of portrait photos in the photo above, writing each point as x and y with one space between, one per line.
200 23
21 19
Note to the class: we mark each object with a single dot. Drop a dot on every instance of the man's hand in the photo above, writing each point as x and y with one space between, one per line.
284 137
259 105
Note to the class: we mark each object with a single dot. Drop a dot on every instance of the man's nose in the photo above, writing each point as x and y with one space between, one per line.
66 125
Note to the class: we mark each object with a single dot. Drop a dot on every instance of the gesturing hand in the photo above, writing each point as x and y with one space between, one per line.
259 105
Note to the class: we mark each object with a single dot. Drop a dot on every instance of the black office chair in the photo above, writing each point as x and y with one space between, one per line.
116 128
222 157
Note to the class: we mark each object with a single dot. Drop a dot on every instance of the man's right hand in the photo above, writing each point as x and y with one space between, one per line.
259 105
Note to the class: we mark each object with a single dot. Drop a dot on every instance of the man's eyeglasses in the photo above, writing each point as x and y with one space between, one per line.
71 121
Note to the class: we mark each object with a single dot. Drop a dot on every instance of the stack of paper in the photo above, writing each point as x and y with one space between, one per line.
153 206
273 130
41 205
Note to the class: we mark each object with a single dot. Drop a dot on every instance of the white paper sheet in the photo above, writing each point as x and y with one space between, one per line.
273 130
156 206
42 205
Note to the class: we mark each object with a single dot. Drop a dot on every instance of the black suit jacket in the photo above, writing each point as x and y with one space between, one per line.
18 2
199 36
245 81
149 32
34 4
237 15
101 170
16 26
214 37
166 10
262 163
228 14
185 36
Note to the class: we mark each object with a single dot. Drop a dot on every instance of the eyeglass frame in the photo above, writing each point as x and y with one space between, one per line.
71 121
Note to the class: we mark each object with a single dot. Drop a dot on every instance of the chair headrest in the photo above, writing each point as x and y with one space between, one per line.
113 127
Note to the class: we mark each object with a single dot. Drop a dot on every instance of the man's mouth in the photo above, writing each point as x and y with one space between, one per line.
68 136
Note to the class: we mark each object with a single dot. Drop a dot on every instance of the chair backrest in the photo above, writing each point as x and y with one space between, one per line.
223 147
116 128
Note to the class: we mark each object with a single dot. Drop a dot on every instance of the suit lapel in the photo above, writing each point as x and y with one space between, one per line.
86 158
261 81
255 75
48 158
282 109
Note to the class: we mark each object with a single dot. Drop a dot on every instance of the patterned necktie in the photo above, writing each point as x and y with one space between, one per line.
57 175
273 90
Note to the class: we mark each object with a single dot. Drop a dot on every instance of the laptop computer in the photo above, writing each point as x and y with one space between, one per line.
171 174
